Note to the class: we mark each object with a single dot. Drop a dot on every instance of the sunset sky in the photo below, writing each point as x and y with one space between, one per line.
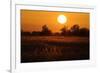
32 20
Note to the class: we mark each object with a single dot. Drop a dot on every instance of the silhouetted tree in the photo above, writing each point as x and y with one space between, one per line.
45 30
75 29
84 32
64 31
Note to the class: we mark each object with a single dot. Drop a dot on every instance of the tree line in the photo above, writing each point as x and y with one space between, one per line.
75 30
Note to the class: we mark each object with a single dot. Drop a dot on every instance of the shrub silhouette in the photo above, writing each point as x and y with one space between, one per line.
45 30
75 29
36 33
84 32
25 33
64 31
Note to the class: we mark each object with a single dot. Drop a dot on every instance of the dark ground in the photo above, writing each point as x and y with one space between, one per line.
53 48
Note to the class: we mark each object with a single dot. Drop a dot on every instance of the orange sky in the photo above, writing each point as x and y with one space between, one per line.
32 20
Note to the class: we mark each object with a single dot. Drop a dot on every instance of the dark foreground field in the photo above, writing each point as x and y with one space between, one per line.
53 48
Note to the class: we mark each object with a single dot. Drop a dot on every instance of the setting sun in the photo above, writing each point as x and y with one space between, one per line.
62 19
33 20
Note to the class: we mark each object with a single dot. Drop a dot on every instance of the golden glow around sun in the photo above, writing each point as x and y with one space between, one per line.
62 19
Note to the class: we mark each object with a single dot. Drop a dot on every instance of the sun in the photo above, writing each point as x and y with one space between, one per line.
62 19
